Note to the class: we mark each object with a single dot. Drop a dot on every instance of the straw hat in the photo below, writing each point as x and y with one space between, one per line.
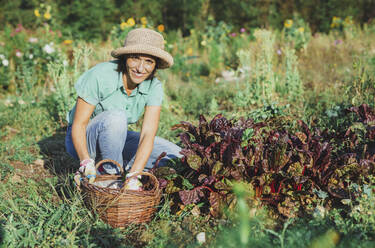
145 41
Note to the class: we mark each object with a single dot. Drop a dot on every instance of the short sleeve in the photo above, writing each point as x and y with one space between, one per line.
155 97
87 87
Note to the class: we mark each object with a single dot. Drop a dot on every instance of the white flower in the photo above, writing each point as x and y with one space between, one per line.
65 62
8 103
228 75
21 102
5 62
33 40
48 48
18 54
201 237
31 56
2 56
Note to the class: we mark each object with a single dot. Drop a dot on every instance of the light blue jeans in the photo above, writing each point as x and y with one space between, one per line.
108 138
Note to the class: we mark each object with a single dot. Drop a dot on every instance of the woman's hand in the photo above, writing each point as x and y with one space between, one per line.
146 142
133 182
87 169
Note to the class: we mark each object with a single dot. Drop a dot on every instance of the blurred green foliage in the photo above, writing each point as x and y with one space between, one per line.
93 19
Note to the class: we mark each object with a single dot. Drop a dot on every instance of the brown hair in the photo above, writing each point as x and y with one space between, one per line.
121 66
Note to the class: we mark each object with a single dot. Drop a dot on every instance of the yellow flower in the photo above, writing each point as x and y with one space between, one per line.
161 28
124 25
189 51
333 25
301 29
130 22
36 13
68 42
288 23
47 15
144 20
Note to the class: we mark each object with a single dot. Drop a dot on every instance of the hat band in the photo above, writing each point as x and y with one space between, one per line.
149 43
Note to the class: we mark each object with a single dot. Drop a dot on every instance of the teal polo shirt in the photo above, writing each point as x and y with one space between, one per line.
102 86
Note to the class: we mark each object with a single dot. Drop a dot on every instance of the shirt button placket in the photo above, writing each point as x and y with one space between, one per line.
127 103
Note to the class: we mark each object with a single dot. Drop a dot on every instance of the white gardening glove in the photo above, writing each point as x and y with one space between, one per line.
87 168
133 183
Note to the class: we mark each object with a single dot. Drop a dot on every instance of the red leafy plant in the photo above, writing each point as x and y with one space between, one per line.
362 129
284 170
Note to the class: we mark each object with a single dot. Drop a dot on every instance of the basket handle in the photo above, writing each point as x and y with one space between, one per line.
153 178
110 161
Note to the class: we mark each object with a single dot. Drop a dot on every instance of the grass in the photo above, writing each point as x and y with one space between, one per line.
40 206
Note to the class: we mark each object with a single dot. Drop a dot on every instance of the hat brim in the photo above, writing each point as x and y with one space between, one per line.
166 60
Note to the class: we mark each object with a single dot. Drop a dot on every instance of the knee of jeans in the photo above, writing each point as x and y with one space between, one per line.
115 120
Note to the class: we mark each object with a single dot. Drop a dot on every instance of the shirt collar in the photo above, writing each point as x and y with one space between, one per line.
144 87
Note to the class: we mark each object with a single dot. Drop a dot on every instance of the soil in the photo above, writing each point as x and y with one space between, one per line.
37 171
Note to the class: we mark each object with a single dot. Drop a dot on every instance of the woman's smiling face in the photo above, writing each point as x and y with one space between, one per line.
140 67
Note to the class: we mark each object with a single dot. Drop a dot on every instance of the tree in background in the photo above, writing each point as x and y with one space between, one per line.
93 19
87 19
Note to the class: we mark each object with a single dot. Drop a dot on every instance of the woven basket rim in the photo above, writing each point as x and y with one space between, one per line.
104 190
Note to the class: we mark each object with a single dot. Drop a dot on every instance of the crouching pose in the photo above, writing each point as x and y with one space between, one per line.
112 95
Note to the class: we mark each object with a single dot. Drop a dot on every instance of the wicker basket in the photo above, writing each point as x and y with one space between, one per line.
120 207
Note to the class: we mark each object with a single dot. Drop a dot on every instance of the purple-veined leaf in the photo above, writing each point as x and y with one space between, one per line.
219 124
215 204
162 183
199 149
193 195
185 139
202 177
306 129
217 167
302 137
194 161
189 196
220 185
236 174
162 155
203 126
163 171
187 126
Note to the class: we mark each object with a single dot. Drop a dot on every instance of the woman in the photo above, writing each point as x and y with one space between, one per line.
112 95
